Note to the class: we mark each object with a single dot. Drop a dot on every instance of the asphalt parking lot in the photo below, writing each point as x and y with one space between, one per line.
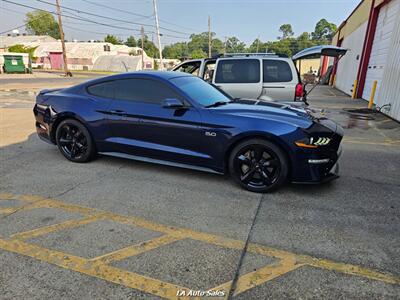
120 229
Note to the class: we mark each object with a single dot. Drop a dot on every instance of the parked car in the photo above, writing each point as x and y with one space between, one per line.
263 76
181 120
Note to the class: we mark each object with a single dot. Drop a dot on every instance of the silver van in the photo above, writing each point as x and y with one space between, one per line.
263 76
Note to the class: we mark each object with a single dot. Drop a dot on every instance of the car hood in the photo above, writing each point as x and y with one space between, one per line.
288 113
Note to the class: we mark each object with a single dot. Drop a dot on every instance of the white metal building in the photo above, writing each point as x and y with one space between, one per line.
80 55
372 35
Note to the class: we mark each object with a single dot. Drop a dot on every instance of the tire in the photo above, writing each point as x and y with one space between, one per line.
74 141
258 165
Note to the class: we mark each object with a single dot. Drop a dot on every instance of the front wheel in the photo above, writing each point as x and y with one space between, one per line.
258 165
74 141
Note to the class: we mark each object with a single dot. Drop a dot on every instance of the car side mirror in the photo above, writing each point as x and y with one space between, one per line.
173 103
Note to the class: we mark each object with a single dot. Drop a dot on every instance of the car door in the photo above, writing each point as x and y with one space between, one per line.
142 126
279 80
240 78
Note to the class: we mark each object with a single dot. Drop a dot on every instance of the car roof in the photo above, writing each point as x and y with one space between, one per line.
156 74
163 75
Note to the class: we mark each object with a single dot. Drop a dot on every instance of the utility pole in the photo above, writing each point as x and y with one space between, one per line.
209 36
64 51
226 40
258 43
158 34
142 39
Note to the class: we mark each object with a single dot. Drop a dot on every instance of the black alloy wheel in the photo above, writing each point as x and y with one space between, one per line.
258 165
74 141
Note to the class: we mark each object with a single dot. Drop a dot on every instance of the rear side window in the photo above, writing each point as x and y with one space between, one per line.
276 71
190 67
143 90
104 89
238 71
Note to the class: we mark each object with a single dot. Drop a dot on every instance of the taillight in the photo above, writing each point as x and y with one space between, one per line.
299 90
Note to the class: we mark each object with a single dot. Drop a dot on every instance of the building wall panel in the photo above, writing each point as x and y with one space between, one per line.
387 18
390 87
348 65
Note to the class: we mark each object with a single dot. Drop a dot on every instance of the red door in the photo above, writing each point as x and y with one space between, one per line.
56 60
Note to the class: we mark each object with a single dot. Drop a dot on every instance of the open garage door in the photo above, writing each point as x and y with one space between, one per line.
388 15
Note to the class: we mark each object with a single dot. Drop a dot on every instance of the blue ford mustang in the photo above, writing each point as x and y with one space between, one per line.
178 119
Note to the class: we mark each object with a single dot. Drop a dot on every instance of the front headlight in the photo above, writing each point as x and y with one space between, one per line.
313 142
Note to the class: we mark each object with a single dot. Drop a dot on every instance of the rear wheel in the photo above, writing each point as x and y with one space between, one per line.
74 141
258 165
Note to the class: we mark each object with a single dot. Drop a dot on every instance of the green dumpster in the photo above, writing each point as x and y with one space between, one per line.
14 64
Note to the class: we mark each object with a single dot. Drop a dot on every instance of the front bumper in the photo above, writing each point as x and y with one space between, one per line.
319 167
331 175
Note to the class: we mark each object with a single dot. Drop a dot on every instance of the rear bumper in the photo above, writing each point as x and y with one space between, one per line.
42 123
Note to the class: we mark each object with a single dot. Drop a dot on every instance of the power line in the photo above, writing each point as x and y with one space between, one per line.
113 19
136 14
117 9
85 19
96 32
11 29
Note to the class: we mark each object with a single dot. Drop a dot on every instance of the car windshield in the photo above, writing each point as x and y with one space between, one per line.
200 91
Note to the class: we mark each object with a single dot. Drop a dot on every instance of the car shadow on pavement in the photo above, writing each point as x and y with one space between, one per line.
22 154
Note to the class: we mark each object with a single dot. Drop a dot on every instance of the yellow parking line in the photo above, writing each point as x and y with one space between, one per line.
135 249
81 265
55 227
8 210
348 269
6 196
391 143
98 267
260 276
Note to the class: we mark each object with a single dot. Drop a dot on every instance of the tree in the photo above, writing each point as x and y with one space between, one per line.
234 45
112 39
42 23
304 41
198 53
257 46
286 30
149 47
200 41
131 42
177 50
22 49
324 31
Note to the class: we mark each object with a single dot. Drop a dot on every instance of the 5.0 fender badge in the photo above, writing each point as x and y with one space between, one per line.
210 133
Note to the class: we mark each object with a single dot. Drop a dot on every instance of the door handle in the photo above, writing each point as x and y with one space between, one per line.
118 112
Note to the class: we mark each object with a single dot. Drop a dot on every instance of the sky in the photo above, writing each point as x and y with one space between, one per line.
246 20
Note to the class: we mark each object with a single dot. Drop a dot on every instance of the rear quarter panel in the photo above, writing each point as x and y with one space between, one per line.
87 109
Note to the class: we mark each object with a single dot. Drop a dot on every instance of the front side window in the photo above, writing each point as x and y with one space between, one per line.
143 90
103 89
190 67
276 71
238 71
199 90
